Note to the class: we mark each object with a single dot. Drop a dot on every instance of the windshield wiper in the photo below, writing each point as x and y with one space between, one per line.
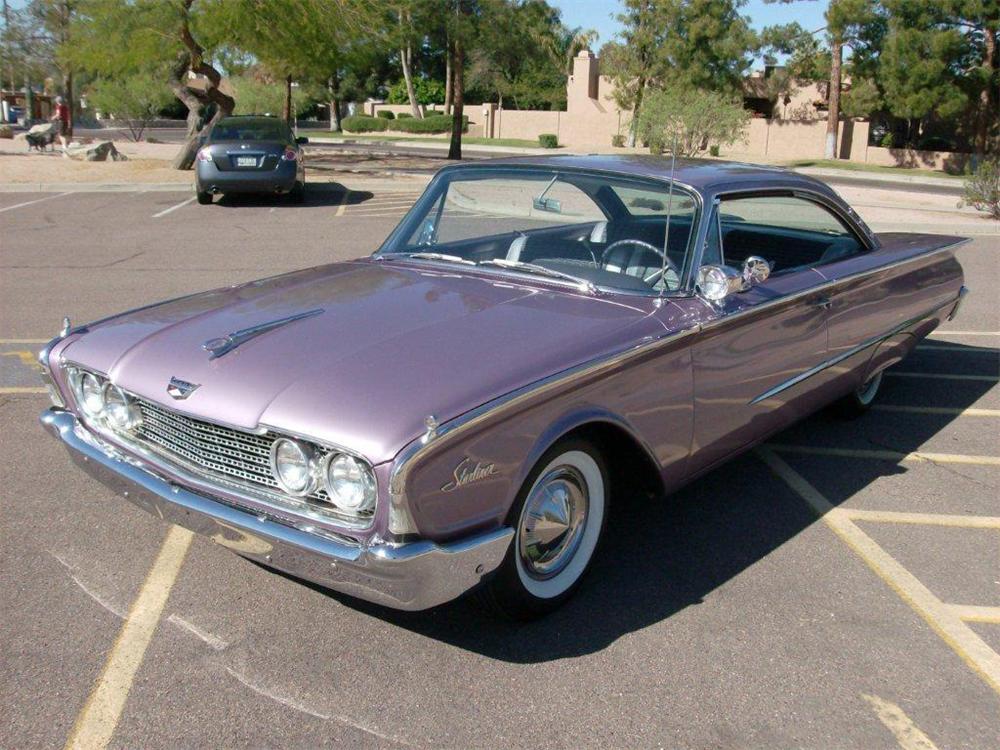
431 256
520 265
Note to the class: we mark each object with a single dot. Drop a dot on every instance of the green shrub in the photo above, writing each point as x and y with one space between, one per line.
403 115
714 149
684 118
656 147
432 124
364 124
887 141
618 141
386 114
935 143
548 140
982 188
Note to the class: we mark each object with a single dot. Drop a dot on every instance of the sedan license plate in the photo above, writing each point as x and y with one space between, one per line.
246 161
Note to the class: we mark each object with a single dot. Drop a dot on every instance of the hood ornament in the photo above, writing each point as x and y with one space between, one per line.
181 389
225 344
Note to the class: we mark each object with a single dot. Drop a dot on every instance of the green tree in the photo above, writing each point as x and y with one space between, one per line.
689 120
136 99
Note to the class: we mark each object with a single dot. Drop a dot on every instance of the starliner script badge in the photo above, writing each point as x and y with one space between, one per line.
181 389
467 473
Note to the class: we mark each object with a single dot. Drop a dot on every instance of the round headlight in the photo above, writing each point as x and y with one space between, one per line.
350 483
291 463
119 410
89 393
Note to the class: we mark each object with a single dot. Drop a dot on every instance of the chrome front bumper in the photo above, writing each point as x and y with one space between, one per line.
411 576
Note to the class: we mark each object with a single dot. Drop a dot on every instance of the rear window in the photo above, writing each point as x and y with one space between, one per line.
250 130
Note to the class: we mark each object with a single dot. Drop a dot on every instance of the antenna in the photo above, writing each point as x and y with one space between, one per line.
670 205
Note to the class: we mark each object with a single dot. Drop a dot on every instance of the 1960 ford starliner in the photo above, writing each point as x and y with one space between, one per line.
458 410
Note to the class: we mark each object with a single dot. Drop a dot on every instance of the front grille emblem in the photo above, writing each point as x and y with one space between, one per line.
181 389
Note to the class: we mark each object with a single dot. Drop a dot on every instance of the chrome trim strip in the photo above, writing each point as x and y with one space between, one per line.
958 303
465 422
874 341
412 576
828 285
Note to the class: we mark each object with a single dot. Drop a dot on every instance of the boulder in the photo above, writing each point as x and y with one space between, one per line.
100 151
6 131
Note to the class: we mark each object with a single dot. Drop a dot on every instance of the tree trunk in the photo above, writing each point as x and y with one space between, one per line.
633 128
457 70
286 110
833 97
68 95
448 79
333 87
406 61
988 98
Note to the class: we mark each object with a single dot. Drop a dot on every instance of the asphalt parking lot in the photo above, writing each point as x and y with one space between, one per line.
837 588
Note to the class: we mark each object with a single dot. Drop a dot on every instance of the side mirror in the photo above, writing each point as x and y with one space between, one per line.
302 140
716 283
756 270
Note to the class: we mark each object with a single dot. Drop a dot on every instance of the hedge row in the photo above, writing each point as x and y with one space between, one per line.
432 124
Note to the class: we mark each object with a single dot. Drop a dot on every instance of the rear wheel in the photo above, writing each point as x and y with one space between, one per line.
858 402
298 193
204 198
558 519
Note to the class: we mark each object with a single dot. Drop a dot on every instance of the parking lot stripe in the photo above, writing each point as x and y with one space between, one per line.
965 333
166 211
943 376
886 455
902 727
24 341
97 721
964 349
29 203
924 519
959 636
943 410
343 203
973 613
22 389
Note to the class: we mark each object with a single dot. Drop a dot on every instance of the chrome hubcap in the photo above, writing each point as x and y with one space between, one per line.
552 522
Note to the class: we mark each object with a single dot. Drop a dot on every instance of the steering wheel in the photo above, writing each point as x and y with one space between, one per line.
654 277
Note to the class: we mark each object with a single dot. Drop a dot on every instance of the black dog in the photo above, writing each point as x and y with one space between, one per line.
40 140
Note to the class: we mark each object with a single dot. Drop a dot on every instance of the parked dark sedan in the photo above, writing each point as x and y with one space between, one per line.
250 155
465 407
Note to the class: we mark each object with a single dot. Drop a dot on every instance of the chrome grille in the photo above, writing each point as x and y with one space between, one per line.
215 450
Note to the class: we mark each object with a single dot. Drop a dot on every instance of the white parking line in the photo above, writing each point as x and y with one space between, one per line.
907 734
945 348
173 208
942 410
28 203
943 376
965 333
886 455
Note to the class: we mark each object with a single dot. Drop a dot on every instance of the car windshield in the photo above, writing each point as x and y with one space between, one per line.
600 230
250 130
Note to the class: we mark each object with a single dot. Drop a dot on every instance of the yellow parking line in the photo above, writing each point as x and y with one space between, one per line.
943 376
959 636
946 348
902 727
23 389
97 721
342 204
937 458
24 341
973 613
943 410
924 519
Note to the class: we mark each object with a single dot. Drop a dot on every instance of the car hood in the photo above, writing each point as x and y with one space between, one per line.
392 344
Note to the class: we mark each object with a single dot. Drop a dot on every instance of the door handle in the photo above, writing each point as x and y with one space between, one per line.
822 302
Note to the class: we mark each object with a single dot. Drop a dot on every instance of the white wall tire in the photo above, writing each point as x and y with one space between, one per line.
859 401
558 520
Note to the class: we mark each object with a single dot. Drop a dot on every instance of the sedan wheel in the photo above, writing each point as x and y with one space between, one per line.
857 403
558 521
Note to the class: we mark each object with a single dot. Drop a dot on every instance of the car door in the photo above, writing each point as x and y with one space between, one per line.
761 352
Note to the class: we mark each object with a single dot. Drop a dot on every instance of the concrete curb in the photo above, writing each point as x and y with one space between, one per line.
434 145
96 187
859 175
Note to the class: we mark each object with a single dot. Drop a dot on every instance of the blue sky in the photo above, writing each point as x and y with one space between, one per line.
599 14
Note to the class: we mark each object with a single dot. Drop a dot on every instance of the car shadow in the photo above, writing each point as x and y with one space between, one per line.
318 195
661 556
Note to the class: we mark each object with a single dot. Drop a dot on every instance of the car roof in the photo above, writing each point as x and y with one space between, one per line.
704 175
250 118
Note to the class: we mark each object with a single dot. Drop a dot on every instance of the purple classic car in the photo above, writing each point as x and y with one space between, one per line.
458 410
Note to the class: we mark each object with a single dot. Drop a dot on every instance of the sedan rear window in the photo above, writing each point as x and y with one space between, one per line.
250 130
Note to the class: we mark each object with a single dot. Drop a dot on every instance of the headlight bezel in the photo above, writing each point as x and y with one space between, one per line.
367 483
308 457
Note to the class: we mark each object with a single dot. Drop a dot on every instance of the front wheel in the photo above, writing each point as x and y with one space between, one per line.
558 520
857 403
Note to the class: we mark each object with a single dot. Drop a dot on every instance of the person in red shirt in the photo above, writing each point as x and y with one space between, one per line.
61 116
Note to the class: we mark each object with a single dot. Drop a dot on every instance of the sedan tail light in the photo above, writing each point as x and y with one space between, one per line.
289 155
204 155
